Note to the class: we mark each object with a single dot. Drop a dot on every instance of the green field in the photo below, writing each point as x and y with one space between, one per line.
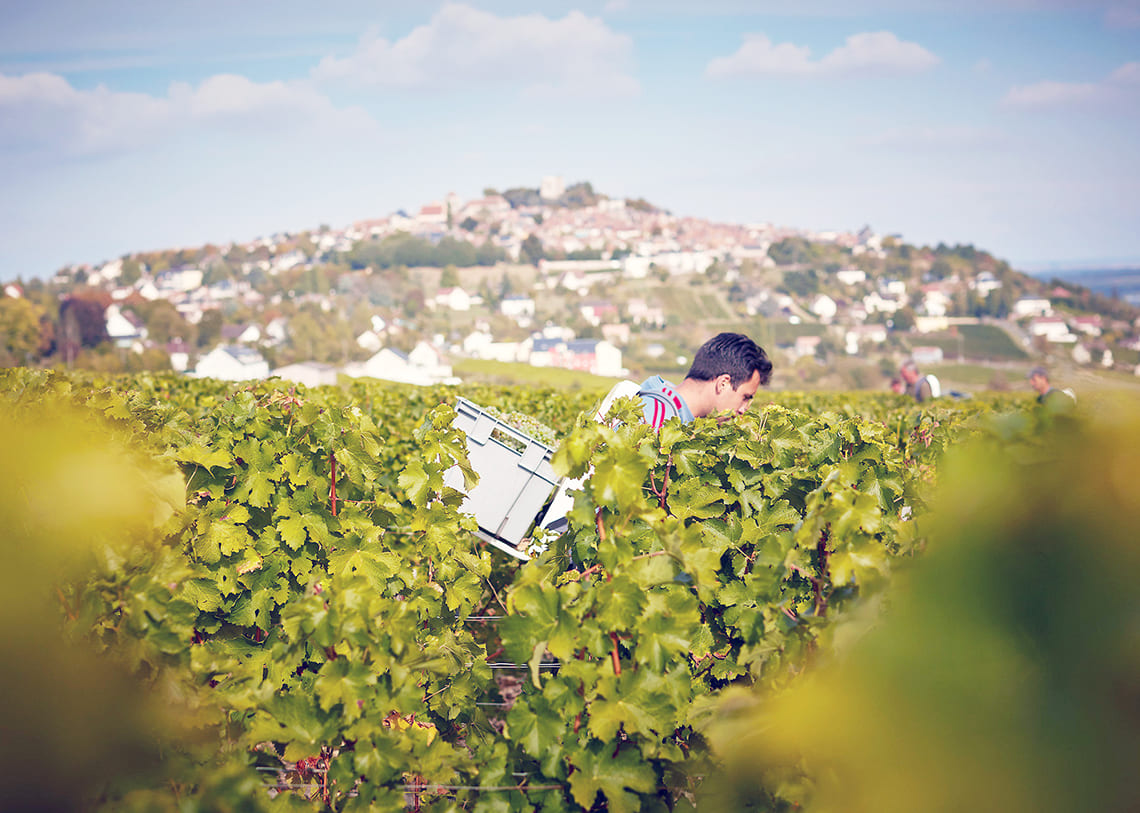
978 342
507 373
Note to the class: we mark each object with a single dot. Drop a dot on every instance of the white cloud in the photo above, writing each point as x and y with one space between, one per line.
462 46
44 112
872 53
1121 87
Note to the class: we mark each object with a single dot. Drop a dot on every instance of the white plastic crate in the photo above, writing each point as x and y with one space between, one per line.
513 485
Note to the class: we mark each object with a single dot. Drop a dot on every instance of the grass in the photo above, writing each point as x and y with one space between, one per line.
508 373
988 342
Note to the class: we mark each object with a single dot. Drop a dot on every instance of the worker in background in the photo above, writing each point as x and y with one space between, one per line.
1048 396
922 388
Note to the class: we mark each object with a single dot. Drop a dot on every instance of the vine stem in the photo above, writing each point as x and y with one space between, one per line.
614 654
332 492
71 614
817 584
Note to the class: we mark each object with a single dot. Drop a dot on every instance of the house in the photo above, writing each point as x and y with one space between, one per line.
874 302
147 289
228 362
1052 328
851 275
517 306
1089 325
368 340
864 334
388 364
640 313
806 346
476 341
277 330
635 266
427 358
984 283
588 355
925 354
892 287
423 366
1029 306
617 333
13 290
309 373
244 334
179 352
179 280
930 324
935 300
123 327
596 311
454 299
432 214
824 307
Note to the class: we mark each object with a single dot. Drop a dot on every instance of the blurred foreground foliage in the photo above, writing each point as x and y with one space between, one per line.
1005 674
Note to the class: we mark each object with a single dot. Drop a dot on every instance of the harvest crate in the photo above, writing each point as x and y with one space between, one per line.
515 477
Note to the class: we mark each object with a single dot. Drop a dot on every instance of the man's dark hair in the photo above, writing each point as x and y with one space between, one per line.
732 353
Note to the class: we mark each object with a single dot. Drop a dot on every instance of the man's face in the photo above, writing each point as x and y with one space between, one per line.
1039 383
909 374
731 401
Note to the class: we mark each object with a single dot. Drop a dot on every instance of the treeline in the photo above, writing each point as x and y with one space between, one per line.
403 249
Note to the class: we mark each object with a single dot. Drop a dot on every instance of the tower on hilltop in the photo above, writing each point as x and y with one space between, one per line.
552 187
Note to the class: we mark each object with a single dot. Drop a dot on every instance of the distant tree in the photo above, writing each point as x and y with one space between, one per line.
19 332
489 254
792 251
580 195
164 322
801 283
490 192
904 319
640 205
520 196
584 254
83 315
532 250
132 271
468 224
210 328
941 269
449 278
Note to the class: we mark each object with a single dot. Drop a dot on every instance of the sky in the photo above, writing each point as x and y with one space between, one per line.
129 126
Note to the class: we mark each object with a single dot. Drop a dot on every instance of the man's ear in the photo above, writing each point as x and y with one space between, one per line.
724 380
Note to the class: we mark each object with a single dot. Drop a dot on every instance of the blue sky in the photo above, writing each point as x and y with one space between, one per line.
1010 124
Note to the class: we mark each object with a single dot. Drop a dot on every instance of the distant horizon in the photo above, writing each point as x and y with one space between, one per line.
1037 268
1080 267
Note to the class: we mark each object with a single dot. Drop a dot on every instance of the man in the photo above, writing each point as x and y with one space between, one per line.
920 387
1053 399
726 373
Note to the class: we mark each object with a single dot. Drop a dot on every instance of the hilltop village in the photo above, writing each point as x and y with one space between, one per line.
560 276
